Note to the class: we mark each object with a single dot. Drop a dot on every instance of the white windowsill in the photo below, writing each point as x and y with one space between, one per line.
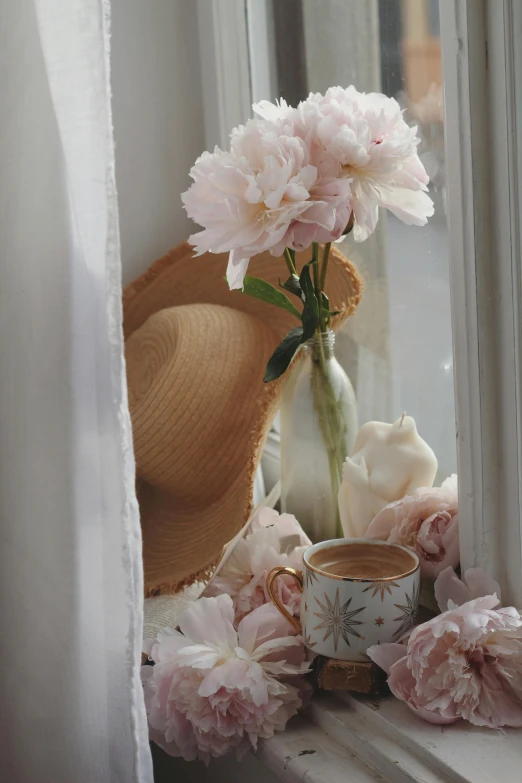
359 740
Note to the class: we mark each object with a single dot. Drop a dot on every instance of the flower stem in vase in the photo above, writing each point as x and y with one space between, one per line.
331 416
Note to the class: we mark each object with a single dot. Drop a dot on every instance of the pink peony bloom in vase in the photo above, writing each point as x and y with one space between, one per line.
272 540
248 198
427 522
465 663
214 689
363 138
293 176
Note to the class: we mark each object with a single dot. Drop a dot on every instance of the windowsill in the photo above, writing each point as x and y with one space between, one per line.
383 740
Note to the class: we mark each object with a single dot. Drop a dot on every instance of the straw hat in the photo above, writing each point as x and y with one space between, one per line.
196 354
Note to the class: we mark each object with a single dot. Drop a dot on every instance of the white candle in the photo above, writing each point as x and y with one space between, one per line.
389 462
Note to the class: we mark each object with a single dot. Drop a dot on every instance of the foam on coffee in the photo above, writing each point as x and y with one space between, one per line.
363 561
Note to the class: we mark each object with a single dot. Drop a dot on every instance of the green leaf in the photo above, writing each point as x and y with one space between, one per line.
310 314
325 308
292 285
283 354
305 281
260 289
349 225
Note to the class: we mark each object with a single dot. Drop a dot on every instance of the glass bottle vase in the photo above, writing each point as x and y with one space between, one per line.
318 429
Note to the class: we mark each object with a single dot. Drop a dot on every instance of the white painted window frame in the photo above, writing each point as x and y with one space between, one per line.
482 52
482 48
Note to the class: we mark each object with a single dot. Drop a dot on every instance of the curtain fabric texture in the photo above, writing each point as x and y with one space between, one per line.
71 708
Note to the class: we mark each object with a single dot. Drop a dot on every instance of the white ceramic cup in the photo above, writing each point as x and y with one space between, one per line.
341 616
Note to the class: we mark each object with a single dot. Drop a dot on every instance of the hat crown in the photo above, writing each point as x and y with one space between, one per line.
192 373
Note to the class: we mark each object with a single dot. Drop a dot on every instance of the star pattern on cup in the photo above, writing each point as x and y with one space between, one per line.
338 621
381 587
409 612
379 621
307 639
311 577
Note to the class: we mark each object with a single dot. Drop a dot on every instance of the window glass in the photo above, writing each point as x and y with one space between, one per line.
397 349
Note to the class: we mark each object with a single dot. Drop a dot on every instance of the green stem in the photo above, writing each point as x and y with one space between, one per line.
315 268
329 410
290 262
324 268
333 426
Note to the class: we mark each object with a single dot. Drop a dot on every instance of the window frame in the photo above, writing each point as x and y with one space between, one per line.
481 45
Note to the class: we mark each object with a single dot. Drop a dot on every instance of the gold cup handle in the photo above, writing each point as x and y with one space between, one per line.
272 576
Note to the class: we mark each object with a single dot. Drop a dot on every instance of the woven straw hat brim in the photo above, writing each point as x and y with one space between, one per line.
185 524
194 374
180 278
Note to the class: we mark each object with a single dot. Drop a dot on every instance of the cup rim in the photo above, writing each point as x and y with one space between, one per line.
335 542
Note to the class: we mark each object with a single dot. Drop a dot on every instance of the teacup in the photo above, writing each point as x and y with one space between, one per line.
355 593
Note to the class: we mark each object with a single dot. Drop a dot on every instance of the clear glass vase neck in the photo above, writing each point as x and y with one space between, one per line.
322 343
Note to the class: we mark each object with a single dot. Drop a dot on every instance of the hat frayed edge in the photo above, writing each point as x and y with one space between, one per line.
180 251
155 269
172 588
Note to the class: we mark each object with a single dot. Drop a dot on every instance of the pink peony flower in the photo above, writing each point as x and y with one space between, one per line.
450 591
465 663
248 198
426 521
362 137
213 689
272 540
295 176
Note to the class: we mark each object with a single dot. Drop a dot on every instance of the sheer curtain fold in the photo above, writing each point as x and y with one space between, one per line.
70 547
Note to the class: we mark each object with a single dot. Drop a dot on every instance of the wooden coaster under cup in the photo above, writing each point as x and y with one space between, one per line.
354 676
357 676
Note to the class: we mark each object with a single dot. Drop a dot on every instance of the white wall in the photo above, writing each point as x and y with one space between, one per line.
158 123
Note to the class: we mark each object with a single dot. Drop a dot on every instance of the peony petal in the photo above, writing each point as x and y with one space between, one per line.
271 111
276 646
430 569
210 620
282 667
432 717
233 673
497 706
366 215
167 645
402 685
383 524
449 587
236 270
480 584
449 488
410 206
199 656
263 624
266 517
386 655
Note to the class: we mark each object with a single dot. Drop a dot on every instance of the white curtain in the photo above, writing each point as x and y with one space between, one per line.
71 707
